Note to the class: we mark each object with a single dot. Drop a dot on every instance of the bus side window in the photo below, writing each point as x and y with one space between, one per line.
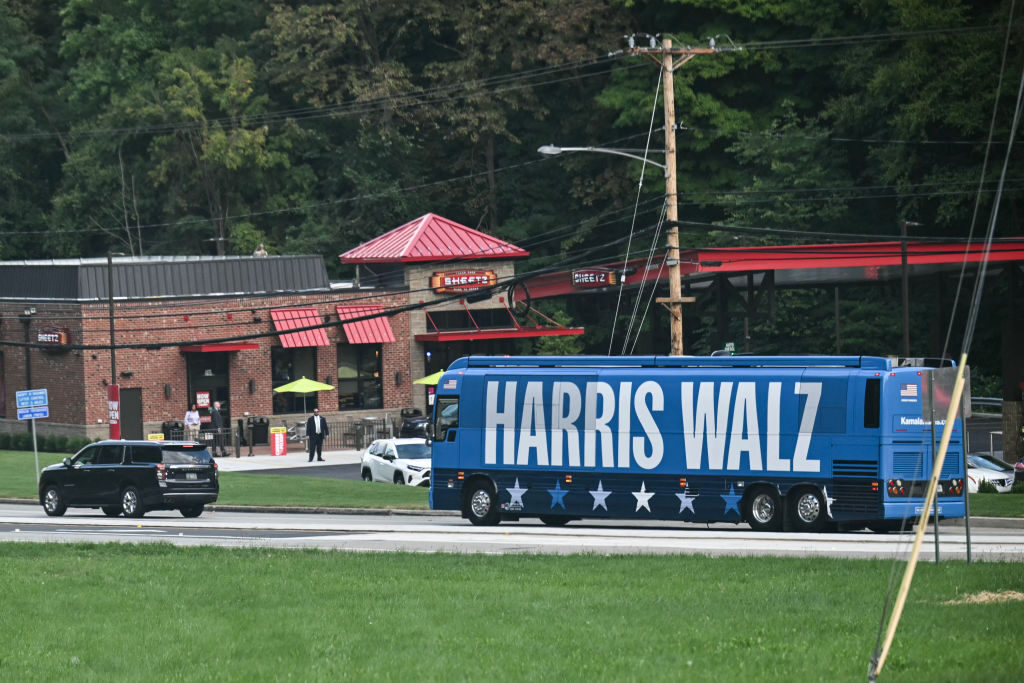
873 404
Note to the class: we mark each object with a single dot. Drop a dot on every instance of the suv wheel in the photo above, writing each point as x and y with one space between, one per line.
192 511
366 475
131 503
53 502
399 479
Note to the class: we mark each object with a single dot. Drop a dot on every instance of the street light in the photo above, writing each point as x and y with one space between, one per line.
110 311
675 299
552 150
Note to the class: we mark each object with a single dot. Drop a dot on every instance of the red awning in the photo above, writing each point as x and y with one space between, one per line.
216 348
372 331
295 318
522 332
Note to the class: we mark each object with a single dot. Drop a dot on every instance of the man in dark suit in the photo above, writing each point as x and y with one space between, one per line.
316 430
219 429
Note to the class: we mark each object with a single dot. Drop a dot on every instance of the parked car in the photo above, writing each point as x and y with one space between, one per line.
986 468
414 428
131 478
401 461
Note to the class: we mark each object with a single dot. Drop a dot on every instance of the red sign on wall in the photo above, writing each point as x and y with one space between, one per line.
594 277
462 280
54 336
114 410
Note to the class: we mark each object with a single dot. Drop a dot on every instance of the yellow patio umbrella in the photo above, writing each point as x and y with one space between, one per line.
303 386
430 379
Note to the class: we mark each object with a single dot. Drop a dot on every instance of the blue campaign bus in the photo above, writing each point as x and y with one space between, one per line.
781 442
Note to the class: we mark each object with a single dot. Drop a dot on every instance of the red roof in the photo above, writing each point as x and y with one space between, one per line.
294 318
372 331
432 238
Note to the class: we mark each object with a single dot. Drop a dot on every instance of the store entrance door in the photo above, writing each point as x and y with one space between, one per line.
208 381
131 413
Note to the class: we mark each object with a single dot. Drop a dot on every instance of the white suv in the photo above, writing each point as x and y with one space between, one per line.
401 461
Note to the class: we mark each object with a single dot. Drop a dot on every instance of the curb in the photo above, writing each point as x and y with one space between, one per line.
984 522
290 509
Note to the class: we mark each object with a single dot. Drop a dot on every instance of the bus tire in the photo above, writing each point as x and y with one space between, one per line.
807 510
480 506
762 509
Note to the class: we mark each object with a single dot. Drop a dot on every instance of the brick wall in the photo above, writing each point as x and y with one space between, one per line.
77 379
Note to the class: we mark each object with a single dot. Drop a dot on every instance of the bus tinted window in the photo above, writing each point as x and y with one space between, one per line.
872 403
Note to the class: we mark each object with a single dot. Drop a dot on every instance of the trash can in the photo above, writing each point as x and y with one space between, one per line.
260 429
173 431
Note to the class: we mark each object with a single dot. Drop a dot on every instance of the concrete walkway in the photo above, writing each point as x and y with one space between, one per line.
262 460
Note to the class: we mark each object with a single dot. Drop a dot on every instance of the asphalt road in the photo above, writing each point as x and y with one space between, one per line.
445 533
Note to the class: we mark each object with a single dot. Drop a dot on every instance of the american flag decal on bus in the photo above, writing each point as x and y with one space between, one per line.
908 391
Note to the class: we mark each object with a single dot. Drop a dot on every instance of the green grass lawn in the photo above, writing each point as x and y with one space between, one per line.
18 480
157 612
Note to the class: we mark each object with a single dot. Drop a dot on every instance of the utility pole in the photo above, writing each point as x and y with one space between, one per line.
905 286
665 57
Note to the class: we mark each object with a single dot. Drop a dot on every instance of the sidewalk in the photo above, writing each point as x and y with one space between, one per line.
261 459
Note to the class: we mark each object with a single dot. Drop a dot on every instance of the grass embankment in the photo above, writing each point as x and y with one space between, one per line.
18 480
155 612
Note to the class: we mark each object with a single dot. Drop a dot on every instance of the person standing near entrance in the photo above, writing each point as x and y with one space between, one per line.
192 423
316 430
219 431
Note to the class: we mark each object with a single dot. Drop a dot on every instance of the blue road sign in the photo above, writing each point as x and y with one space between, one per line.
33 413
32 397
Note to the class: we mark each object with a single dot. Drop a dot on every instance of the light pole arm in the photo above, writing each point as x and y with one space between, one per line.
552 150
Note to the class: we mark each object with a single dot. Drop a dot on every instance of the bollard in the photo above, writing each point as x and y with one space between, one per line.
238 441
248 435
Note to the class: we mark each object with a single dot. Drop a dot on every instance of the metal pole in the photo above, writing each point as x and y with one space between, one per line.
967 495
27 319
35 449
931 420
110 308
905 286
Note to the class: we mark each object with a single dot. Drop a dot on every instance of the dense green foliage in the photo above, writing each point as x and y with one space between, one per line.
209 126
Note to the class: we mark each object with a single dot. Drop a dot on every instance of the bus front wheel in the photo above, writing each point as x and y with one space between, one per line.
481 504
763 510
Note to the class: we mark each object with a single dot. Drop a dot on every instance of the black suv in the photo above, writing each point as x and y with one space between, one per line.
131 477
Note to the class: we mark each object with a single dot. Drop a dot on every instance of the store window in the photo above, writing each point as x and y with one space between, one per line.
359 374
288 365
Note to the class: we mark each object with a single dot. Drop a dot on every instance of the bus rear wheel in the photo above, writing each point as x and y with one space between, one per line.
807 510
481 504
762 509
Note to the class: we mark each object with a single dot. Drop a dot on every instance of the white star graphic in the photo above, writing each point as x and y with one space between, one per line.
643 497
686 500
828 502
600 497
516 493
